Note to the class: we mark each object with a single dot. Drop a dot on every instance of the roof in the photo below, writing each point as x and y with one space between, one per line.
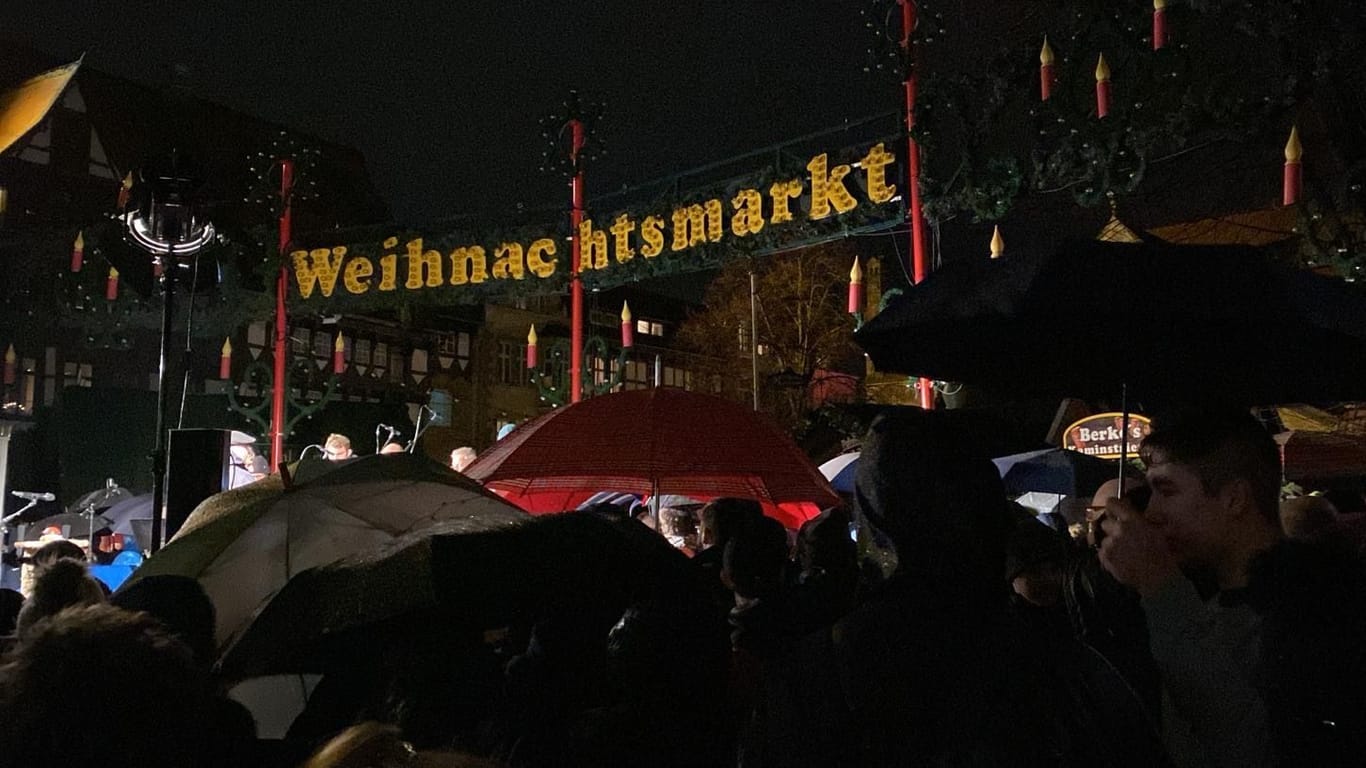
1256 228
24 107
136 121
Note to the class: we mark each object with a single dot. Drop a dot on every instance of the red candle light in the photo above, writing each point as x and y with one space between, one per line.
125 189
225 360
531 348
998 243
628 328
1294 169
855 289
1046 76
78 252
111 285
10 359
339 354
1159 24
1102 88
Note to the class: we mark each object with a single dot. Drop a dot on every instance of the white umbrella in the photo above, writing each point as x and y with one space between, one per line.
243 545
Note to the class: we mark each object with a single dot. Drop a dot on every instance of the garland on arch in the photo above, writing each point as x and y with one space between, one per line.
1190 95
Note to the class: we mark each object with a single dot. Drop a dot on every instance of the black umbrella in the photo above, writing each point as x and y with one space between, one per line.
1172 323
102 498
460 574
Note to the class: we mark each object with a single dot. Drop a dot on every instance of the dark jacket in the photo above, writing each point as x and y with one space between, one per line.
934 669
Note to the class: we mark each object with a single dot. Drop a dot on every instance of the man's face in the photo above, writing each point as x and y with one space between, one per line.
1195 524
337 453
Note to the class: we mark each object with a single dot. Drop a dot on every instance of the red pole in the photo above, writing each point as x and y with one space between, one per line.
277 391
914 211
575 284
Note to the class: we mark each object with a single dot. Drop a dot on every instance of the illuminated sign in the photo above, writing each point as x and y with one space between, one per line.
1100 435
827 192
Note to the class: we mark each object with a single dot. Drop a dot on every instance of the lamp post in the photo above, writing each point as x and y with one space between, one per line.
277 394
903 60
575 119
163 219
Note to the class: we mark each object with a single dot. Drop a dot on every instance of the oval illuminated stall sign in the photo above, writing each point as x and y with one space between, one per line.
1100 435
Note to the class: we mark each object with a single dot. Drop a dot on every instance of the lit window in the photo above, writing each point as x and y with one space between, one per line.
379 362
677 377
637 375
649 327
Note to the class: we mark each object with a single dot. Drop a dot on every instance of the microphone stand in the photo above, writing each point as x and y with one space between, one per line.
4 523
420 427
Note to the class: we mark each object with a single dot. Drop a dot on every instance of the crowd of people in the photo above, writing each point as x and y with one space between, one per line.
1183 627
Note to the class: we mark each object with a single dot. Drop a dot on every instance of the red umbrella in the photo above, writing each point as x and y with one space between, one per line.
1321 455
661 440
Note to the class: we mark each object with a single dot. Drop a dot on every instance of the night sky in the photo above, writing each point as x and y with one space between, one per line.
445 99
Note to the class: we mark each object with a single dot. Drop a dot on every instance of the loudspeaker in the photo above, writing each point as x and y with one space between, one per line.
198 465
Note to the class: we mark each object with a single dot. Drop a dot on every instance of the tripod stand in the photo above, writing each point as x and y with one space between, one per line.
4 534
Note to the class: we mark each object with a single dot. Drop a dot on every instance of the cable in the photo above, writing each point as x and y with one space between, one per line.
189 335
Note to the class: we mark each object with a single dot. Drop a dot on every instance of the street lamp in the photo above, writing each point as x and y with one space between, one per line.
163 217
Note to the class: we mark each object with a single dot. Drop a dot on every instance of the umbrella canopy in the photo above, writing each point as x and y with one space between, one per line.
103 498
661 440
840 471
1172 322
122 514
1054 470
77 524
464 574
1321 455
243 545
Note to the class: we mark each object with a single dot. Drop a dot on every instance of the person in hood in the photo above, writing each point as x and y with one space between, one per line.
935 668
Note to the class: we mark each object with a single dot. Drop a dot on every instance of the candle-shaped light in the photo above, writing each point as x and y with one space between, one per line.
855 288
1102 88
1159 24
1046 75
111 285
78 252
10 360
225 360
628 328
1294 171
339 354
998 243
531 348
156 267
125 189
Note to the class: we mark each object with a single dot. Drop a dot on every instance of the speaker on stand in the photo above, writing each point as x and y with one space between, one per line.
198 465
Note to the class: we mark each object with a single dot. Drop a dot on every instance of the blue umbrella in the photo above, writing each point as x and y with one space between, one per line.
1054 470
840 471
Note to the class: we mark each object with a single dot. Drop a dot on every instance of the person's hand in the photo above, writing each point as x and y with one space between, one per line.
1134 551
